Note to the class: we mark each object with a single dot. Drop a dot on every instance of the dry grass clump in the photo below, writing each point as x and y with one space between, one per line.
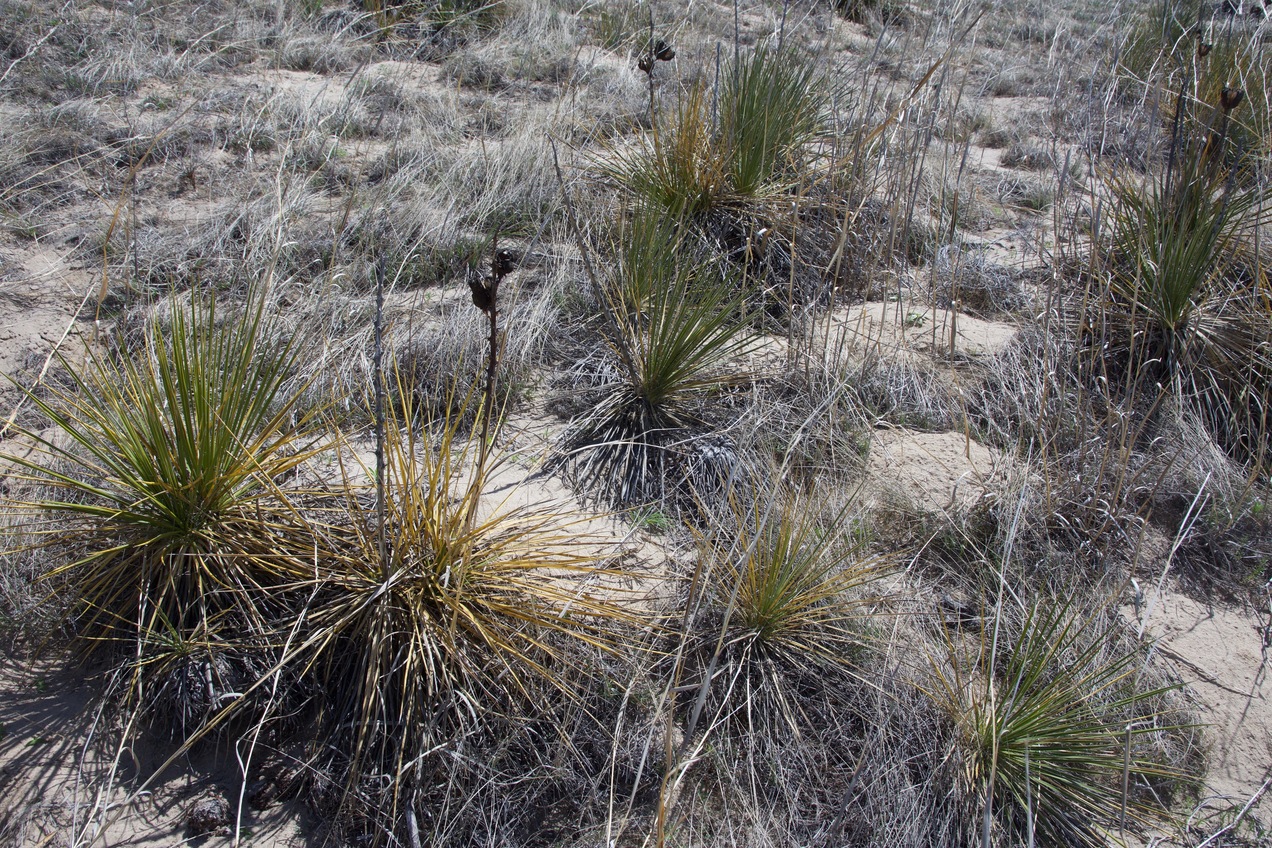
507 186
905 393
26 614
536 44
970 281
325 53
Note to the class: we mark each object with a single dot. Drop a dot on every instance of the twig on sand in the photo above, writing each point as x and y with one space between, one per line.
1231 826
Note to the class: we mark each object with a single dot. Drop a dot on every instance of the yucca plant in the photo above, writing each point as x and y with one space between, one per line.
436 618
786 585
1186 282
162 480
785 602
160 493
777 619
728 154
673 323
679 166
772 105
1041 724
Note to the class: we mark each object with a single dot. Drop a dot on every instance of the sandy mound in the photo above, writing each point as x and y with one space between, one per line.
1221 655
931 472
890 329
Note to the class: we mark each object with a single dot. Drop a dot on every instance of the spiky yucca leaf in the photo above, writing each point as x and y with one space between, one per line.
773 105
1041 724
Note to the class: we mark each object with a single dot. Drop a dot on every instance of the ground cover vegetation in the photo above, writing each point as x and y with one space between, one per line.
466 424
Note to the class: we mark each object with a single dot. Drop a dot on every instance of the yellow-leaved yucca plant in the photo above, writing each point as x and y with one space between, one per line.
438 618
157 484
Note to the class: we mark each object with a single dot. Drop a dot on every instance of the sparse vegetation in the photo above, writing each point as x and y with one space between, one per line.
920 349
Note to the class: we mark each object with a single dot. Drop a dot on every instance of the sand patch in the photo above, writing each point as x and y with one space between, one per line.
932 472
904 328
1220 654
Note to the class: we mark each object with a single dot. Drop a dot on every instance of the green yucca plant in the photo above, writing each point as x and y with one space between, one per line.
1041 727
434 618
674 322
771 105
1186 280
786 585
162 484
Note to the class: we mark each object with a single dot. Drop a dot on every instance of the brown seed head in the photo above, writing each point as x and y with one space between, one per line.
1230 98
645 64
505 262
483 295
1203 48
663 51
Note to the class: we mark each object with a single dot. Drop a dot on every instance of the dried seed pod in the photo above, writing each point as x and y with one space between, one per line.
483 294
1230 98
645 64
663 51
1203 48
505 262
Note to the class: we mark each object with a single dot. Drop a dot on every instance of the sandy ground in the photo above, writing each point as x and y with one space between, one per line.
932 472
910 329
1222 655
56 786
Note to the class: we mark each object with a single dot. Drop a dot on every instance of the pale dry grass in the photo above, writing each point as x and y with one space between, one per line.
311 153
